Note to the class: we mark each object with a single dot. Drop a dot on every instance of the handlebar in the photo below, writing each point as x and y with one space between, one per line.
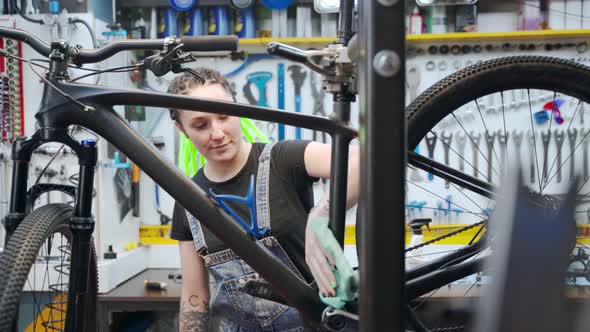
80 56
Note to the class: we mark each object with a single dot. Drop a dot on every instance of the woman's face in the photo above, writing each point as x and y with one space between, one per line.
218 137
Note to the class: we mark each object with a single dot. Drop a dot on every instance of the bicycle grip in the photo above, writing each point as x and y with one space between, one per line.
287 52
209 43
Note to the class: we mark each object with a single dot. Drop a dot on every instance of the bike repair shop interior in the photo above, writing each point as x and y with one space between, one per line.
133 215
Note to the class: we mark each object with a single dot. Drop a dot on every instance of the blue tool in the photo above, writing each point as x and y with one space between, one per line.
250 201
298 76
260 78
117 162
281 82
541 117
277 4
449 200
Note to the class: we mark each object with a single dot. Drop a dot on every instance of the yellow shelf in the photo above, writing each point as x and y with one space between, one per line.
499 36
155 234
258 45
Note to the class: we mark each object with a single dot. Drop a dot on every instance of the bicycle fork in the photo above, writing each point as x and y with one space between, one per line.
81 225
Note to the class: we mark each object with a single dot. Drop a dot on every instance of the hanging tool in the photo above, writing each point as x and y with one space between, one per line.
584 133
517 138
298 76
490 138
531 137
572 135
475 147
559 138
431 144
582 113
447 145
413 82
503 140
318 95
461 139
259 78
545 138
281 92
415 176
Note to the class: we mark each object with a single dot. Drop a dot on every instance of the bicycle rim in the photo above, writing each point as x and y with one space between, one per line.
37 272
501 99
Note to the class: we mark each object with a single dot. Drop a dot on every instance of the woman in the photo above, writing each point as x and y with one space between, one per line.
283 175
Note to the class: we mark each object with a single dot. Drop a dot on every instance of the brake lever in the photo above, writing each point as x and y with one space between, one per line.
170 60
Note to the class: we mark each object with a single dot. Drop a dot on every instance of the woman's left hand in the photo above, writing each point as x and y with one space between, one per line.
319 262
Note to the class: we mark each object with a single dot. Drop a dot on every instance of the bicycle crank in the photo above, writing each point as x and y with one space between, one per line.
340 321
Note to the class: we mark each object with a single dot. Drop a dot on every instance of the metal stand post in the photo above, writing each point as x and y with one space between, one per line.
383 163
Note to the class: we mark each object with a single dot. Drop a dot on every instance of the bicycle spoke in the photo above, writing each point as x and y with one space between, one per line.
444 199
445 210
503 167
569 156
568 128
426 299
487 132
552 106
434 253
469 198
534 139
458 154
477 146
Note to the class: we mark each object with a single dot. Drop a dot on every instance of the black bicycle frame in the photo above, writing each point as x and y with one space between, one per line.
58 113
93 110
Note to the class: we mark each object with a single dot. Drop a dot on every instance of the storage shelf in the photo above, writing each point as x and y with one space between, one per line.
258 45
499 36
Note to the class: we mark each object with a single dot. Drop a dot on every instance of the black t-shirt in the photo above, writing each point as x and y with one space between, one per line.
290 197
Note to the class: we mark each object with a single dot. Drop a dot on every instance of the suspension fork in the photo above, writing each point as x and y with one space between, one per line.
22 150
82 226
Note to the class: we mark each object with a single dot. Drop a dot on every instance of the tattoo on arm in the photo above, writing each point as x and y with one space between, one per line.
194 315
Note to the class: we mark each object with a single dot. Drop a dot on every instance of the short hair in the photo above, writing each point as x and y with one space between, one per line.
182 83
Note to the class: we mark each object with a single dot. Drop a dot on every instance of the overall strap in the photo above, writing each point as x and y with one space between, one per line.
197 232
262 187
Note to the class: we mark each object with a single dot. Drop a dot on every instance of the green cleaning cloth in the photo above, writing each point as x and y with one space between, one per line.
345 276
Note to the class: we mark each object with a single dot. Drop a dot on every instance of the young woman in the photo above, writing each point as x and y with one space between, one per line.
283 175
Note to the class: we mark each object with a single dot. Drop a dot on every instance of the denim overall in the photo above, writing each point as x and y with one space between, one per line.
239 311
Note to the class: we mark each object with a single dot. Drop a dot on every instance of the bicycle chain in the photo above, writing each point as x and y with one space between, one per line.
453 233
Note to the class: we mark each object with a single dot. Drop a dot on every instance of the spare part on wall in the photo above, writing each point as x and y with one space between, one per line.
182 5
325 6
13 90
242 4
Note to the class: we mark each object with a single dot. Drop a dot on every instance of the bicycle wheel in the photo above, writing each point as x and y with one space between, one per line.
35 273
475 122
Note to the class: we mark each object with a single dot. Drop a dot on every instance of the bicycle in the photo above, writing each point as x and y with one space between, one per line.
66 104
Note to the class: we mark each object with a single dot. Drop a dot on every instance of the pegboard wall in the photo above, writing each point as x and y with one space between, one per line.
486 137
